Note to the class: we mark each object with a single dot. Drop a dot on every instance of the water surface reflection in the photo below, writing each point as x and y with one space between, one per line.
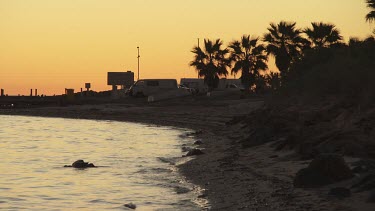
34 150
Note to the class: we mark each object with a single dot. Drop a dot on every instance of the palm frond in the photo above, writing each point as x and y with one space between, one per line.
322 35
370 17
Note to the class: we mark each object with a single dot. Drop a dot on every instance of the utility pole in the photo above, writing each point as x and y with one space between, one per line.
138 61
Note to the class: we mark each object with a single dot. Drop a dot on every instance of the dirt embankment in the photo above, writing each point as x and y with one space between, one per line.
313 129
279 141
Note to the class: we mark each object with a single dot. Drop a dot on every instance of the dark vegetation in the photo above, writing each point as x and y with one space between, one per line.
303 58
321 100
344 72
325 105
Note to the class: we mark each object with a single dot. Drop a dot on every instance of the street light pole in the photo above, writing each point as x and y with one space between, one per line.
138 61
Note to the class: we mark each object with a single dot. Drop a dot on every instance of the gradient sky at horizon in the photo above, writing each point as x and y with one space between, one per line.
52 44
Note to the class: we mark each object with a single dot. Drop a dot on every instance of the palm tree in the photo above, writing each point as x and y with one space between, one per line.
211 62
249 57
371 15
273 81
285 44
323 35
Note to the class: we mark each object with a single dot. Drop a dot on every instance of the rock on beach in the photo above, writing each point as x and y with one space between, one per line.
323 170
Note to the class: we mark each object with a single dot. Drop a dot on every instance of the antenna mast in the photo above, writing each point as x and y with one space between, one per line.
138 61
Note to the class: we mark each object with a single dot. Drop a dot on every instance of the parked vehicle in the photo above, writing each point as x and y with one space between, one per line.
181 86
234 86
147 87
197 85
226 83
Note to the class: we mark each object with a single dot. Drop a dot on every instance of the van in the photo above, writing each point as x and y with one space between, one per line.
147 87
196 84
226 83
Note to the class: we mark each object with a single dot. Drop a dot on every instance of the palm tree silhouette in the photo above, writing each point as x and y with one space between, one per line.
211 62
371 15
285 44
249 57
323 35
273 81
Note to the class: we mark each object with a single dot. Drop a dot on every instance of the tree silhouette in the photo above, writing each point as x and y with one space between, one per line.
273 81
249 57
211 62
285 44
371 15
323 35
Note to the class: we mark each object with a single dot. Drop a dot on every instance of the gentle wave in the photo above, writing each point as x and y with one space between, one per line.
136 165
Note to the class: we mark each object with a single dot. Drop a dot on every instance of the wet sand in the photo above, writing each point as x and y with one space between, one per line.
232 177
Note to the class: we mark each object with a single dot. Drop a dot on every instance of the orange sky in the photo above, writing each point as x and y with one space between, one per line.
55 44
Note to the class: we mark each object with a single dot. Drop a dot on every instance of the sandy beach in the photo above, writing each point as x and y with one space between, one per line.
232 177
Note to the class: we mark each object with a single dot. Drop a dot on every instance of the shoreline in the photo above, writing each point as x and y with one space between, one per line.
231 177
176 115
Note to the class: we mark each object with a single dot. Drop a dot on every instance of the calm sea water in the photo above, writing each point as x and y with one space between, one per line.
132 158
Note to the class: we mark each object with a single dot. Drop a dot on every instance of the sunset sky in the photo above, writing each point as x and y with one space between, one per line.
55 44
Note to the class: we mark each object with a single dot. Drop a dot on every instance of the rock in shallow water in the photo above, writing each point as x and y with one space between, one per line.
193 152
81 164
131 206
181 190
198 142
198 132
202 196
185 149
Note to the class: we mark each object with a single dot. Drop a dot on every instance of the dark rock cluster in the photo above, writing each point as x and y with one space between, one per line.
193 152
323 170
